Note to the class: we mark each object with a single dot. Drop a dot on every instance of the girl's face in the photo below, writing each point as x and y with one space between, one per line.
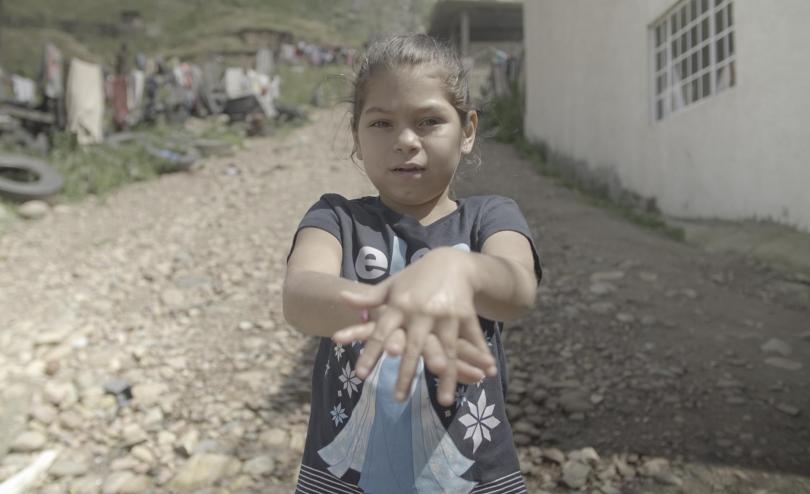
410 137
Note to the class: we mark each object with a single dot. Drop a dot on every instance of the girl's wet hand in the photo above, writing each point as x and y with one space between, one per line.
433 296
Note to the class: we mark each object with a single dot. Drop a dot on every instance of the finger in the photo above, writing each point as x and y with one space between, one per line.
434 355
417 332
358 332
373 297
395 342
468 374
470 330
447 332
388 322
472 355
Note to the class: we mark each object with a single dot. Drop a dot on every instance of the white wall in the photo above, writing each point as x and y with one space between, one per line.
742 153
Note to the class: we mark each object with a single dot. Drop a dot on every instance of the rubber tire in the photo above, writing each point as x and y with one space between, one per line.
49 180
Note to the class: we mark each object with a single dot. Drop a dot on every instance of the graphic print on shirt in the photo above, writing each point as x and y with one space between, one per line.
401 447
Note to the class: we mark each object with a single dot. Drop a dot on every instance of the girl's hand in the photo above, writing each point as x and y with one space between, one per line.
432 301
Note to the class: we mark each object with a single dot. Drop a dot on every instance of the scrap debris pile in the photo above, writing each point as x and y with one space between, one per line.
100 106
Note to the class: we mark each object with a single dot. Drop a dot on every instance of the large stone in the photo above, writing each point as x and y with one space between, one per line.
126 482
575 474
575 402
148 394
777 346
783 363
28 442
259 466
33 210
204 470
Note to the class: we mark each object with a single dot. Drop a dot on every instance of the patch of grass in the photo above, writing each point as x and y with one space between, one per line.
504 119
300 82
100 169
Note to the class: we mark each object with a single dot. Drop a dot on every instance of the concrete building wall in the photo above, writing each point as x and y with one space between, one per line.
742 153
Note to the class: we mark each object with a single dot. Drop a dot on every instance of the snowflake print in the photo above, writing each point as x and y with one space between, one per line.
461 399
349 379
326 370
338 414
479 421
339 351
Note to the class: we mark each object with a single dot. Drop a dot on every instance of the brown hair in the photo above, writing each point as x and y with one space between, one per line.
412 50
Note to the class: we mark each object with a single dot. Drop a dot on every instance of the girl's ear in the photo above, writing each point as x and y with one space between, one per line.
469 132
357 149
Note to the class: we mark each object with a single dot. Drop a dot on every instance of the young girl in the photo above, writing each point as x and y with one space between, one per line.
435 274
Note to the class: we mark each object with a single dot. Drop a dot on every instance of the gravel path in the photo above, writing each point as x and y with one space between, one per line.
648 365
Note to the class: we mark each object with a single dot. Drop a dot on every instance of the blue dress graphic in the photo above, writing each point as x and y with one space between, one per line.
398 448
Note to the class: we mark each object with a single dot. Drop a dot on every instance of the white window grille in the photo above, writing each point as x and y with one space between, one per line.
693 54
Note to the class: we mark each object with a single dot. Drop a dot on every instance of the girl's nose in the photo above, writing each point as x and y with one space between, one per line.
407 140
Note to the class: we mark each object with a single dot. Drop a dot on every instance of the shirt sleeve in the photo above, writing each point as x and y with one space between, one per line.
321 215
503 214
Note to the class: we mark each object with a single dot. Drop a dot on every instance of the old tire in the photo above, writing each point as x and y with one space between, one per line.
46 182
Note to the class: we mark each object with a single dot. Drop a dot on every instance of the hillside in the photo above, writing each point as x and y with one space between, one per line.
93 29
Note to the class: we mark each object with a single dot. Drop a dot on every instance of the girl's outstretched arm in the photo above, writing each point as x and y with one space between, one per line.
312 286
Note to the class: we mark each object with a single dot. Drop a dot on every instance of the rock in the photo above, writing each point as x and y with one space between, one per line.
625 318
554 455
173 298
85 485
603 307
28 442
783 363
586 455
126 482
777 346
275 437
805 336
575 474
602 288
69 465
607 276
204 470
44 413
33 210
575 401
259 466
648 276
144 454
188 443
61 394
148 394
788 409
133 434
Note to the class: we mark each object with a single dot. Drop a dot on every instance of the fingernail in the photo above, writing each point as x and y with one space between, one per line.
493 370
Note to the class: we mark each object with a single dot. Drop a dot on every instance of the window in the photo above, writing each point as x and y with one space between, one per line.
693 54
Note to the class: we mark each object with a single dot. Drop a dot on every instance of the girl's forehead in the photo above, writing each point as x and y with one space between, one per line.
407 83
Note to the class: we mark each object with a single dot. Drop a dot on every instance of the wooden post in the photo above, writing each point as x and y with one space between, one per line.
465 33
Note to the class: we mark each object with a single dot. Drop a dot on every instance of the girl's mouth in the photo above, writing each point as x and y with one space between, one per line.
409 170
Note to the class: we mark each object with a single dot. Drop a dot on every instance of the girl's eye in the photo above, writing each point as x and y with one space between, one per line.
379 124
429 122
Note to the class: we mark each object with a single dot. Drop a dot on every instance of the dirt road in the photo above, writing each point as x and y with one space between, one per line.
683 371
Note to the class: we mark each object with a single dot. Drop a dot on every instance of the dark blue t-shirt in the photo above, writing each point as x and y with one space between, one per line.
359 438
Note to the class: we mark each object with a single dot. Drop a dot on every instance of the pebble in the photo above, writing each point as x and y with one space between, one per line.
777 346
28 442
204 470
788 409
259 466
783 363
575 401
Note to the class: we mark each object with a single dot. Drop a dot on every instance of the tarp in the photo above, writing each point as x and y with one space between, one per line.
85 101
25 90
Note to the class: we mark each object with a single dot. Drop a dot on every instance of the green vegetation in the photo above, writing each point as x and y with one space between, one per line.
191 29
504 121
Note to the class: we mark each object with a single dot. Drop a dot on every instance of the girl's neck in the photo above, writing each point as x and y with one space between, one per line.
426 213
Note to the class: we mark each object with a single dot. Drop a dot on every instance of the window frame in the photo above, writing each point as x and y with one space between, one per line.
689 21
